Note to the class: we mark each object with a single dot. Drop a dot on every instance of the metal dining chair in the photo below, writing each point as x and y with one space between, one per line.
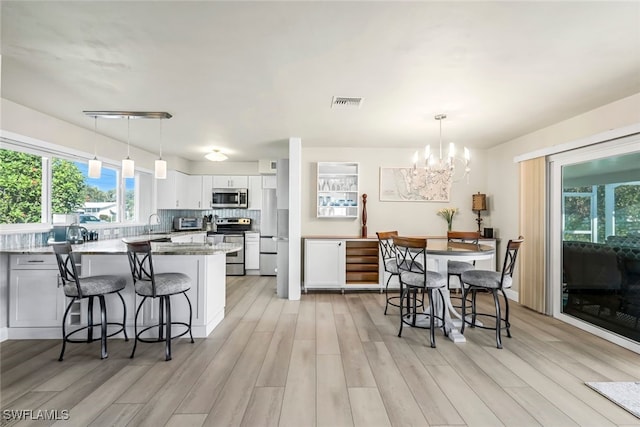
388 252
90 287
411 259
456 268
491 281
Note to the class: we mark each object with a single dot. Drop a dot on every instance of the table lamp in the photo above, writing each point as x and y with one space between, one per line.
479 204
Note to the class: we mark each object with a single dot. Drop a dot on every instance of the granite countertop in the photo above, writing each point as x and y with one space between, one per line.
117 246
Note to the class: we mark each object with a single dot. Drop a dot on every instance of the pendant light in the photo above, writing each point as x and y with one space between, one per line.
128 165
95 165
160 165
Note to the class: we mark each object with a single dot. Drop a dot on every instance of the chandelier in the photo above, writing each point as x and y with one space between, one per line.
449 168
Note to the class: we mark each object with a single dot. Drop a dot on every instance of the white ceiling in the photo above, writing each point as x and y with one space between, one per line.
245 76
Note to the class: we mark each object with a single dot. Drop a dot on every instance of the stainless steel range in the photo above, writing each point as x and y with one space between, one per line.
232 230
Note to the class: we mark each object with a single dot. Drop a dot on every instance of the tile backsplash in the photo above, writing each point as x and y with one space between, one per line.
35 240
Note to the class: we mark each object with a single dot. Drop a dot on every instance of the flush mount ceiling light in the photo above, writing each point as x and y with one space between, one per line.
444 167
128 165
216 156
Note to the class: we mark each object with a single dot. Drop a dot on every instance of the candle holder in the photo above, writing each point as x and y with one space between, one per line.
479 204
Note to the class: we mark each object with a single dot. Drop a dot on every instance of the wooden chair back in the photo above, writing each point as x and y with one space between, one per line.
464 236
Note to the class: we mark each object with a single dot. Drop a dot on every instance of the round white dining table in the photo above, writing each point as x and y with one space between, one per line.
440 251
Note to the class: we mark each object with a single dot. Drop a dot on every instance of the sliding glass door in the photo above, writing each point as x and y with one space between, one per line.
595 237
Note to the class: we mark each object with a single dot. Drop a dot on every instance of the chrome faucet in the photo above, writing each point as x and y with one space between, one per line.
149 229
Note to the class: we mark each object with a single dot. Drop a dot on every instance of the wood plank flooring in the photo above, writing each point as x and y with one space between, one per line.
326 360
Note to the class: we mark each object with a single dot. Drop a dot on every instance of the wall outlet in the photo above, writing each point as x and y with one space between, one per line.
107 233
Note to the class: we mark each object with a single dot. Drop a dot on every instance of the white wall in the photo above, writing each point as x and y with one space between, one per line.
503 176
223 168
410 218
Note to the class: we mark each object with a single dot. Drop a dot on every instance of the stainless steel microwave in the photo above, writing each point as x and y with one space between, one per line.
230 198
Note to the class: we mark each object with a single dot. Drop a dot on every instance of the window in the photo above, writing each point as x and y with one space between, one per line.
21 188
34 184
101 194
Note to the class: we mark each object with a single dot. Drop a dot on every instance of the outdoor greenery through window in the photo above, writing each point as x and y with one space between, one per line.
33 187
595 212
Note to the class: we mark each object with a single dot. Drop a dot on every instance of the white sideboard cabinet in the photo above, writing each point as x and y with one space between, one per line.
342 264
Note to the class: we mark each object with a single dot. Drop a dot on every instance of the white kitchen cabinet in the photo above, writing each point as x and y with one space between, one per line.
337 190
207 185
269 181
193 191
230 181
252 251
181 191
324 263
35 300
171 192
342 264
255 192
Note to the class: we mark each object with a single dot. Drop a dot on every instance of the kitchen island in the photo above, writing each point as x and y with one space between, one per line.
36 305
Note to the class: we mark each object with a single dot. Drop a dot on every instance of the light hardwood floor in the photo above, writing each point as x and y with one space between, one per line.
326 360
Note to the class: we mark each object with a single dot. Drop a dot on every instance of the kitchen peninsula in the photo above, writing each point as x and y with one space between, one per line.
36 305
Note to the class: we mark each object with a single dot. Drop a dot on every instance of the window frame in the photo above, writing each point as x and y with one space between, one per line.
607 148
48 151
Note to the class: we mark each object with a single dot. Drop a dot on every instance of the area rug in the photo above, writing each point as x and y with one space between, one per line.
624 394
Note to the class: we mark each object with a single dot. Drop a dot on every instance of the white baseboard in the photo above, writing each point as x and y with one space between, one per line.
512 295
4 334
34 333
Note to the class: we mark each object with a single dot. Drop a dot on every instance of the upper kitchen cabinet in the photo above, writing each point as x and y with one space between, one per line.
207 186
171 191
255 192
337 187
181 191
269 181
225 181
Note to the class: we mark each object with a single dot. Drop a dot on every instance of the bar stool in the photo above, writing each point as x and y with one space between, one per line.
411 257
78 288
163 286
491 281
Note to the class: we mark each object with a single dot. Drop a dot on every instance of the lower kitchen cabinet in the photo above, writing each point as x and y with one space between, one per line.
252 251
341 264
35 298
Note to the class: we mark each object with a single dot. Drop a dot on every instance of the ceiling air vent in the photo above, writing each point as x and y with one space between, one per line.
346 102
